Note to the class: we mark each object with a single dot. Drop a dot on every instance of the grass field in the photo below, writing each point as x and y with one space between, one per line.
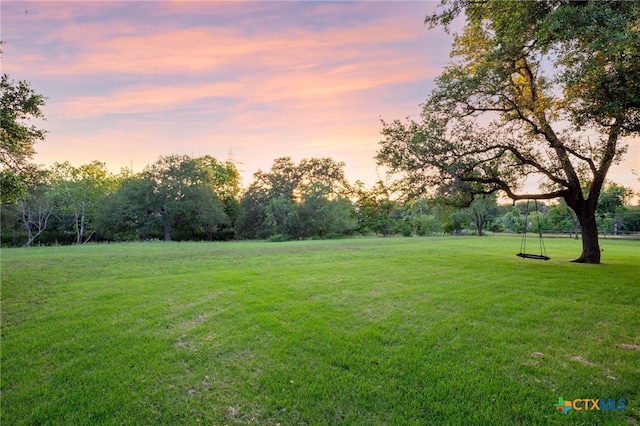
394 331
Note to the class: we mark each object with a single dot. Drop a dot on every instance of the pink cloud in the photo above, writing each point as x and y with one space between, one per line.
267 70
145 99
304 87
120 46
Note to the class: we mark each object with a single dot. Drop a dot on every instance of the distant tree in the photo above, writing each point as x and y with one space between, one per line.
613 197
36 206
481 209
297 201
611 210
78 192
321 215
378 207
282 216
632 219
129 214
562 218
282 180
323 175
530 79
513 220
204 215
222 180
252 222
322 195
19 103
455 221
187 194
423 217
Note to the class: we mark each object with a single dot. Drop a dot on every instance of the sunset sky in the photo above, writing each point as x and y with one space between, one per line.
129 81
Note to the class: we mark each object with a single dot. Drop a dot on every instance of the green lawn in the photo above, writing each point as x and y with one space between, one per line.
366 331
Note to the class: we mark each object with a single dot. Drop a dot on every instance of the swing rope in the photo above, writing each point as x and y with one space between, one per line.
523 244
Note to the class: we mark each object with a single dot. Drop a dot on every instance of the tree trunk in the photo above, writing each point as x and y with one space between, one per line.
26 220
590 245
40 221
167 232
81 228
481 221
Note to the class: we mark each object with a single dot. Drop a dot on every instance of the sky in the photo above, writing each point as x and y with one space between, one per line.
129 81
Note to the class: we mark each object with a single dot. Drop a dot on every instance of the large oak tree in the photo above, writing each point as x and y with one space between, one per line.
539 92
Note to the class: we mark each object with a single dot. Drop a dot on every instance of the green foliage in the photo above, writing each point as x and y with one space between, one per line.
13 186
128 213
597 44
455 222
191 195
282 216
613 216
378 209
425 224
19 103
613 198
297 201
513 221
78 193
481 211
423 219
560 217
323 216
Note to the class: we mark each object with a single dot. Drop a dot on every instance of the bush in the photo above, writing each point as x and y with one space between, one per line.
278 238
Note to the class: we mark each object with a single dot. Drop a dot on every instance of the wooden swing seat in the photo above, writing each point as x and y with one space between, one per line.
533 256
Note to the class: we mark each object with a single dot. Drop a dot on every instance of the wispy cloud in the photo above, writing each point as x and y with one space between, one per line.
307 67
136 100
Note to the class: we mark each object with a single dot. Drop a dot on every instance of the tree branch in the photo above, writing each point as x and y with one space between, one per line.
503 186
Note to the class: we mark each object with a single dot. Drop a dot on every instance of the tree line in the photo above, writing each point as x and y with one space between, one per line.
180 197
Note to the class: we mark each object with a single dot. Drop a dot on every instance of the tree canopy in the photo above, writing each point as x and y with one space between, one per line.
539 92
19 104
309 199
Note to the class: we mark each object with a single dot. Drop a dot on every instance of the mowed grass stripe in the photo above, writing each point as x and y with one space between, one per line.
364 331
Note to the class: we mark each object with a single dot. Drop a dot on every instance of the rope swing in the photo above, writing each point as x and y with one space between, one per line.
523 244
